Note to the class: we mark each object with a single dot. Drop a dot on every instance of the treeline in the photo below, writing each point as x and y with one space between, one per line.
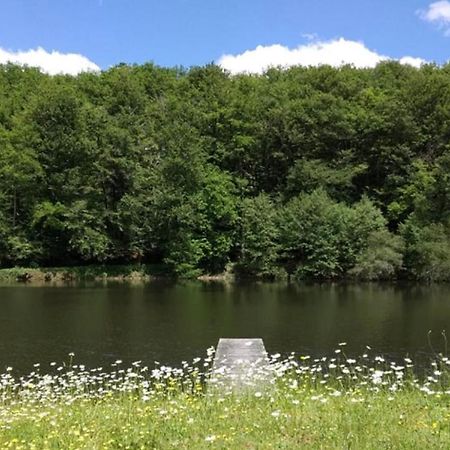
314 172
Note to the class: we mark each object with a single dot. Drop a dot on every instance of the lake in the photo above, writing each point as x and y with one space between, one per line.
169 322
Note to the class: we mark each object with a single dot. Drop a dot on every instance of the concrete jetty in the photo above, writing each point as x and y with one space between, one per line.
240 363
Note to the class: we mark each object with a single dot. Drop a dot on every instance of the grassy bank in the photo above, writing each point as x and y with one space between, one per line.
379 421
362 403
142 272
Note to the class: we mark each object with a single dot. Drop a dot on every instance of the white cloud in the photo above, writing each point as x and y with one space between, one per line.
52 63
438 13
411 61
310 36
335 53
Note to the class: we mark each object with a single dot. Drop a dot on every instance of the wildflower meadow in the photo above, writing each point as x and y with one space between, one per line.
298 402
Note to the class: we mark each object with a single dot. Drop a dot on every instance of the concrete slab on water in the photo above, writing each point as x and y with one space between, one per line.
240 363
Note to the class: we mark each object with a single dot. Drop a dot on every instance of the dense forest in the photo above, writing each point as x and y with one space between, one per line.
312 172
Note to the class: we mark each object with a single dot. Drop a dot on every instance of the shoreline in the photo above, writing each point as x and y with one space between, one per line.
74 274
126 273
145 273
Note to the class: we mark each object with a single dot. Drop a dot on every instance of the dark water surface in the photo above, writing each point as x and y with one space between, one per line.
174 322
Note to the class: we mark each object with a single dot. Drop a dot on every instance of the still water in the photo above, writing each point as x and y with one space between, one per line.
174 322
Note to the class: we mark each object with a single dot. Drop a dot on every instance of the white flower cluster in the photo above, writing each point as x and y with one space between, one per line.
327 377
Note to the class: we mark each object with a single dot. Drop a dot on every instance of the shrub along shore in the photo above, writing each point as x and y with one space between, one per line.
133 273
82 273
336 402
150 272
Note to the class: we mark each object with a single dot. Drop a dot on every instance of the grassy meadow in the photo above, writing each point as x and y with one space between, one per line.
335 402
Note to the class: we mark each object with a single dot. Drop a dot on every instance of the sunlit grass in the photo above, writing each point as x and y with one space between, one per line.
336 402
141 272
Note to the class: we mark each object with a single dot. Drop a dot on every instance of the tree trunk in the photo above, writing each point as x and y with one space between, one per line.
14 208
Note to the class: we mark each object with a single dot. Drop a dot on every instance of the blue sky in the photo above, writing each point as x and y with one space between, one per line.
195 32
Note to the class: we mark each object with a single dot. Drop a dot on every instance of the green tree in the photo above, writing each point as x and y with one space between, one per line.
427 254
20 173
259 238
311 227
309 175
382 257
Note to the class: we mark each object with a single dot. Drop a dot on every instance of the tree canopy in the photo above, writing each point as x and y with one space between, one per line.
314 172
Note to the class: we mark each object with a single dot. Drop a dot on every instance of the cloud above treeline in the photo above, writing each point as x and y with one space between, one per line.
336 52
53 62
439 14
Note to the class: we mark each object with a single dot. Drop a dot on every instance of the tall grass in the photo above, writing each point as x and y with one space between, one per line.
335 402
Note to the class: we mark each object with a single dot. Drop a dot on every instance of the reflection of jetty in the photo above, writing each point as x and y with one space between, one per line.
241 362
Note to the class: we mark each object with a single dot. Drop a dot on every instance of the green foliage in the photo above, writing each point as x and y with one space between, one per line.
381 259
308 175
20 250
194 169
20 175
184 253
412 195
363 219
202 226
219 210
259 238
321 238
72 231
435 206
428 250
312 228
49 227
87 234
